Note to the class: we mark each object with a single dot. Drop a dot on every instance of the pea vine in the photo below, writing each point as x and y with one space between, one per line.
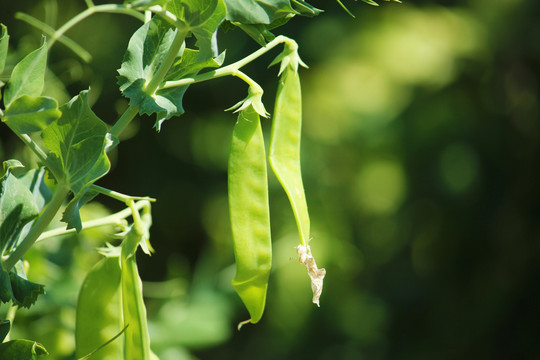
72 144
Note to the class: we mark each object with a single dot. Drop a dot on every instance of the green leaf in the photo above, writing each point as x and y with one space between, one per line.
5 326
22 350
17 207
71 214
78 142
203 18
305 9
16 288
34 180
6 292
258 32
147 50
258 11
4 42
28 76
189 65
25 292
168 102
28 114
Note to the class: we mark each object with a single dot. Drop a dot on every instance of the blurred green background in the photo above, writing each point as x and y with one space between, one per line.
421 167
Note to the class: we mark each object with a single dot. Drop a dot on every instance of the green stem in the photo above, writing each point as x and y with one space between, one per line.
107 8
158 77
10 316
50 31
241 75
229 69
112 219
119 196
42 156
39 226
124 120
153 85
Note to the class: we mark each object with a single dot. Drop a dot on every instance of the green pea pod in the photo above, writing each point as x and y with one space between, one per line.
249 212
285 161
137 340
99 311
284 147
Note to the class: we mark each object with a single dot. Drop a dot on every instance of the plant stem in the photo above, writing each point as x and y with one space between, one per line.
50 31
229 69
124 120
42 156
112 219
241 75
10 316
107 8
119 196
39 226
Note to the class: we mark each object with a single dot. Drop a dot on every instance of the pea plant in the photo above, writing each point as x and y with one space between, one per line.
71 144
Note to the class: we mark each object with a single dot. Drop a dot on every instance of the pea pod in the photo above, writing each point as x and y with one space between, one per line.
137 340
284 150
284 159
99 311
249 212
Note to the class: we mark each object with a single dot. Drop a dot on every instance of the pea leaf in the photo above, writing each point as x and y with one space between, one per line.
203 18
25 292
5 326
28 76
6 292
265 15
78 141
257 11
16 288
71 214
172 98
305 9
4 42
28 114
34 180
17 206
189 64
22 350
146 52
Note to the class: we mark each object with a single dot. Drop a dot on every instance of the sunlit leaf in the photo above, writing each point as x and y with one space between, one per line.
265 15
25 292
28 114
257 11
4 42
17 206
203 18
22 350
28 76
189 64
146 52
71 214
14 287
78 143
5 326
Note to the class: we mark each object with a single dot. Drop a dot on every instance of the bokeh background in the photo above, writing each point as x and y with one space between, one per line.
421 167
